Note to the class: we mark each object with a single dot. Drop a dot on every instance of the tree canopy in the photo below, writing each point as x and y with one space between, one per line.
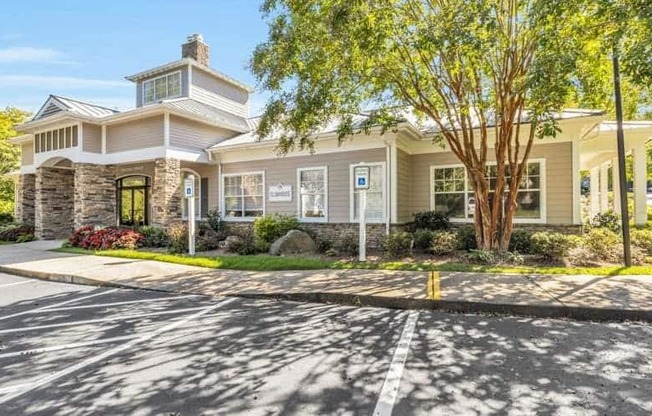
479 69
9 154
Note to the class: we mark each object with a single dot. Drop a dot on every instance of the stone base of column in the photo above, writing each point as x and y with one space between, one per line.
24 199
166 189
95 197
54 203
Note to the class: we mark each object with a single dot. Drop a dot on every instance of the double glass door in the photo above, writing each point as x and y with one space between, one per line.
133 200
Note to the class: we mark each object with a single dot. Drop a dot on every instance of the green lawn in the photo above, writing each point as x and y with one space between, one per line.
269 263
6 243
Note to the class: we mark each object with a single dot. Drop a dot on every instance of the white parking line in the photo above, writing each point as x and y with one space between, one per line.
94 321
15 283
388 393
66 346
127 302
43 308
99 357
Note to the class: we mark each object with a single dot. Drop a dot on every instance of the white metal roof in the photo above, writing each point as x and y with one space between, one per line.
70 105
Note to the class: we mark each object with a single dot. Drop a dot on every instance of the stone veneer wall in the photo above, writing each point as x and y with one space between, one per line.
166 192
95 198
54 203
25 196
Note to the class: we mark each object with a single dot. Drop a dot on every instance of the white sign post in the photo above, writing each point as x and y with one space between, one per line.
361 183
189 193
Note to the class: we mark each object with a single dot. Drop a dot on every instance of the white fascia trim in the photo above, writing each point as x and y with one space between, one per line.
222 206
22 139
166 129
543 185
352 193
298 193
103 139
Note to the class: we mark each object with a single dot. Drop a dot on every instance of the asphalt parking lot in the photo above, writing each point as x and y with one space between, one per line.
78 350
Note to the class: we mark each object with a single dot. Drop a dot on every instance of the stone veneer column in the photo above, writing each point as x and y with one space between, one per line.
166 197
95 197
54 203
25 195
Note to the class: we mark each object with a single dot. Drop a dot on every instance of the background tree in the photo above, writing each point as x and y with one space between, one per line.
9 155
479 69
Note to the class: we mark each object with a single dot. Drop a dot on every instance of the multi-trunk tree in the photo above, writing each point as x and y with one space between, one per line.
491 75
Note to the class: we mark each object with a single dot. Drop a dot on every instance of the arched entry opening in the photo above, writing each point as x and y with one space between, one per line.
133 200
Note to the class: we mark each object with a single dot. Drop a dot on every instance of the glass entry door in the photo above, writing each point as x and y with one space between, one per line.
133 201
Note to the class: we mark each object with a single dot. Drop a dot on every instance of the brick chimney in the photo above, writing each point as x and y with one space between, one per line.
196 49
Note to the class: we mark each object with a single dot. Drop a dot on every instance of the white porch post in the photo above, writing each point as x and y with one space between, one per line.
615 185
640 185
595 191
604 187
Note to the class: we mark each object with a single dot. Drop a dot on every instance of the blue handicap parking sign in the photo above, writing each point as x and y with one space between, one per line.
362 181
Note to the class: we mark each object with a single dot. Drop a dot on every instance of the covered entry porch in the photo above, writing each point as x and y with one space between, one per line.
598 155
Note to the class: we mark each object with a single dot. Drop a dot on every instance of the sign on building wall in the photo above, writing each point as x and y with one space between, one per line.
280 193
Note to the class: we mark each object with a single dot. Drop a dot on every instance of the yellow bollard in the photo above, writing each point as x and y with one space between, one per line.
434 290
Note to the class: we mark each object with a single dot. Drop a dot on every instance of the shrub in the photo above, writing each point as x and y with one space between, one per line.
520 242
12 232
581 256
177 234
643 240
603 243
24 238
431 220
398 244
423 239
347 245
550 245
466 238
609 220
90 238
154 237
270 228
444 242
207 239
245 245
215 223
492 257
6 218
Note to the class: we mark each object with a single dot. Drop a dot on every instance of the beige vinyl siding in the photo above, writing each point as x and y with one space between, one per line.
559 187
92 140
284 171
203 79
210 172
192 135
403 213
218 101
138 134
27 154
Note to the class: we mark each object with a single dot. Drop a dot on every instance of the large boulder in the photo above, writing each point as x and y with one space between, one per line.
294 242
231 242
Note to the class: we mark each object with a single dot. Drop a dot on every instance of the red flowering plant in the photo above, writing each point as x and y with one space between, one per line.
90 238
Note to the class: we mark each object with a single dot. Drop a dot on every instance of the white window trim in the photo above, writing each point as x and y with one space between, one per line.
197 192
299 210
543 219
167 97
222 196
352 193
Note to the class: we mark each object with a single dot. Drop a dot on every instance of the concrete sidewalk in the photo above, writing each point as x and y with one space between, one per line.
583 297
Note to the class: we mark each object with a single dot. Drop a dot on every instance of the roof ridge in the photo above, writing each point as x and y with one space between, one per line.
83 102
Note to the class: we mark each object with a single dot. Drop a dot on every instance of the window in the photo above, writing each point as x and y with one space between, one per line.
198 191
166 86
375 194
312 199
243 195
452 193
55 139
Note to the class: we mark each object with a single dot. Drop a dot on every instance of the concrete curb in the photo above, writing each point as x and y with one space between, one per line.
536 311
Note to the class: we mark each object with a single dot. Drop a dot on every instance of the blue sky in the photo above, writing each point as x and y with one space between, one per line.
84 49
